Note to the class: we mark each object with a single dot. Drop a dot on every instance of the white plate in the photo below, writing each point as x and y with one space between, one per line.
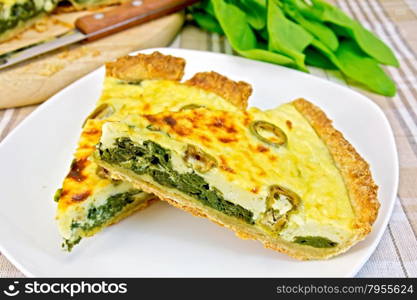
162 240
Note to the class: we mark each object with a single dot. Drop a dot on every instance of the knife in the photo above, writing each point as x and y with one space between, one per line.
98 25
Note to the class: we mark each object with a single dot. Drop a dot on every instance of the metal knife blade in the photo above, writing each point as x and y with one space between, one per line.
99 25
26 53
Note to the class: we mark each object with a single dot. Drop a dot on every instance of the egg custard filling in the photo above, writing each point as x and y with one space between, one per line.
265 169
89 199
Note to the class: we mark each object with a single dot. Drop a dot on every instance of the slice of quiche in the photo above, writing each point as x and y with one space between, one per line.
144 84
285 176
17 15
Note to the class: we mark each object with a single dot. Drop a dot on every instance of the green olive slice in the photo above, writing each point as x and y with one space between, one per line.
102 111
152 127
274 194
277 137
191 106
198 159
272 218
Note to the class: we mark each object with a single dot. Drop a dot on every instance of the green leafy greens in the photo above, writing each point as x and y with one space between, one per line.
296 33
100 215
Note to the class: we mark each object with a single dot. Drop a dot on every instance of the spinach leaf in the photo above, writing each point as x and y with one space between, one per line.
318 29
296 33
316 59
240 35
203 15
355 64
204 6
286 36
234 23
255 12
263 34
207 22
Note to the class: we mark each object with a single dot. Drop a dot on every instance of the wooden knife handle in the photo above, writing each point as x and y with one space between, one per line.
130 14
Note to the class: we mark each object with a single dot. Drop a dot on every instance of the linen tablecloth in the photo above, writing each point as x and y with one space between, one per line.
395 22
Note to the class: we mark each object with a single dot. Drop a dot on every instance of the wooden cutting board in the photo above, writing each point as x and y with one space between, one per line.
38 79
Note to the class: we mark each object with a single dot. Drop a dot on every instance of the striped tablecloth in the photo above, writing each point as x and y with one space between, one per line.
395 21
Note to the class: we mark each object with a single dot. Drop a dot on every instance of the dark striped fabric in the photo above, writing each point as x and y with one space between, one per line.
394 21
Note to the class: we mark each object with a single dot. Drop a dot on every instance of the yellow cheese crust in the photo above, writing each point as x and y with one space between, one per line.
333 181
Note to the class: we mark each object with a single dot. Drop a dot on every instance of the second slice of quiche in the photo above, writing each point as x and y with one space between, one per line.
285 177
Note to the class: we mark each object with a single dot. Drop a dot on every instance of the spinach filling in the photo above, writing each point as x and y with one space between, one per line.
153 160
315 241
97 216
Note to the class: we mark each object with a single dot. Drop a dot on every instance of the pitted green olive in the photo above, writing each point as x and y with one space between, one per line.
102 111
198 159
268 133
